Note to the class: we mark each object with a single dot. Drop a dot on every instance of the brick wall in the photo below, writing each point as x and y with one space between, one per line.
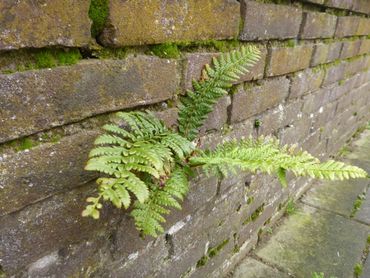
59 85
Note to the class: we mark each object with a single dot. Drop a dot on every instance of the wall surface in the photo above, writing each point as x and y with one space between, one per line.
61 80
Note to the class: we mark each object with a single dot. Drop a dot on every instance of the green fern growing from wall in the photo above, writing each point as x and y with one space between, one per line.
147 166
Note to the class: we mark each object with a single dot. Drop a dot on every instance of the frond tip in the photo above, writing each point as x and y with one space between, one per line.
226 70
266 155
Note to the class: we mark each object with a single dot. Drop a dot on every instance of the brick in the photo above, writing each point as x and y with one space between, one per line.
362 6
289 59
347 26
334 73
44 171
161 21
32 101
195 62
340 4
40 24
318 25
313 102
218 117
269 21
334 51
315 1
257 99
49 225
350 49
364 47
305 81
363 27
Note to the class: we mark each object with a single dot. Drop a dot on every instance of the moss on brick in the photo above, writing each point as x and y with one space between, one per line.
215 250
23 60
166 50
98 13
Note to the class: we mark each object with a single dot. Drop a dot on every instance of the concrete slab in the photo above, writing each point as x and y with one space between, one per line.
251 268
316 241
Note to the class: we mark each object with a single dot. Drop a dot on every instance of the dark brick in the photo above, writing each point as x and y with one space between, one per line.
305 81
33 175
36 100
269 21
289 59
315 1
40 24
347 26
218 117
49 225
173 21
257 99
318 25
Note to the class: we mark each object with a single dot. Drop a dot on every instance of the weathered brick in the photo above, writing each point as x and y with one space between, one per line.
365 47
32 101
269 21
39 24
161 21
44 170
314 101
315 1
334 51
218 117
341 4
289 59
49 225
195 62
350 49
362 6
257 99
318 25
305 81
347 26
334 73
363 26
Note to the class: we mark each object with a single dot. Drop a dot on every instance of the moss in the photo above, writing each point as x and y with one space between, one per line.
202 261
290 207
357 270
357 204
250 200
344 151
166 50
336 12
98 13
257 123
38 59
111 53
215 250
255 214
23 144
287 2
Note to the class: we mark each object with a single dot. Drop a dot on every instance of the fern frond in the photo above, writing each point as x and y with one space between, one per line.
266 155
149 215
226 70
144 154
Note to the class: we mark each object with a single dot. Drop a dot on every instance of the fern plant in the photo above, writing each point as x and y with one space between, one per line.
147 166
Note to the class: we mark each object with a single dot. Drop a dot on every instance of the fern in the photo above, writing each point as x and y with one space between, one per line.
147 151
149 215
266 155
145 165
226 70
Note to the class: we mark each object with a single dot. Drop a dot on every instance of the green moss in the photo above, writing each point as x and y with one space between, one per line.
255 214
257 123
111 53
250 200
290 207
23 144
357 204
368 239
98 13
215 250
38 59
166 50
343 151
202 261
357 270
